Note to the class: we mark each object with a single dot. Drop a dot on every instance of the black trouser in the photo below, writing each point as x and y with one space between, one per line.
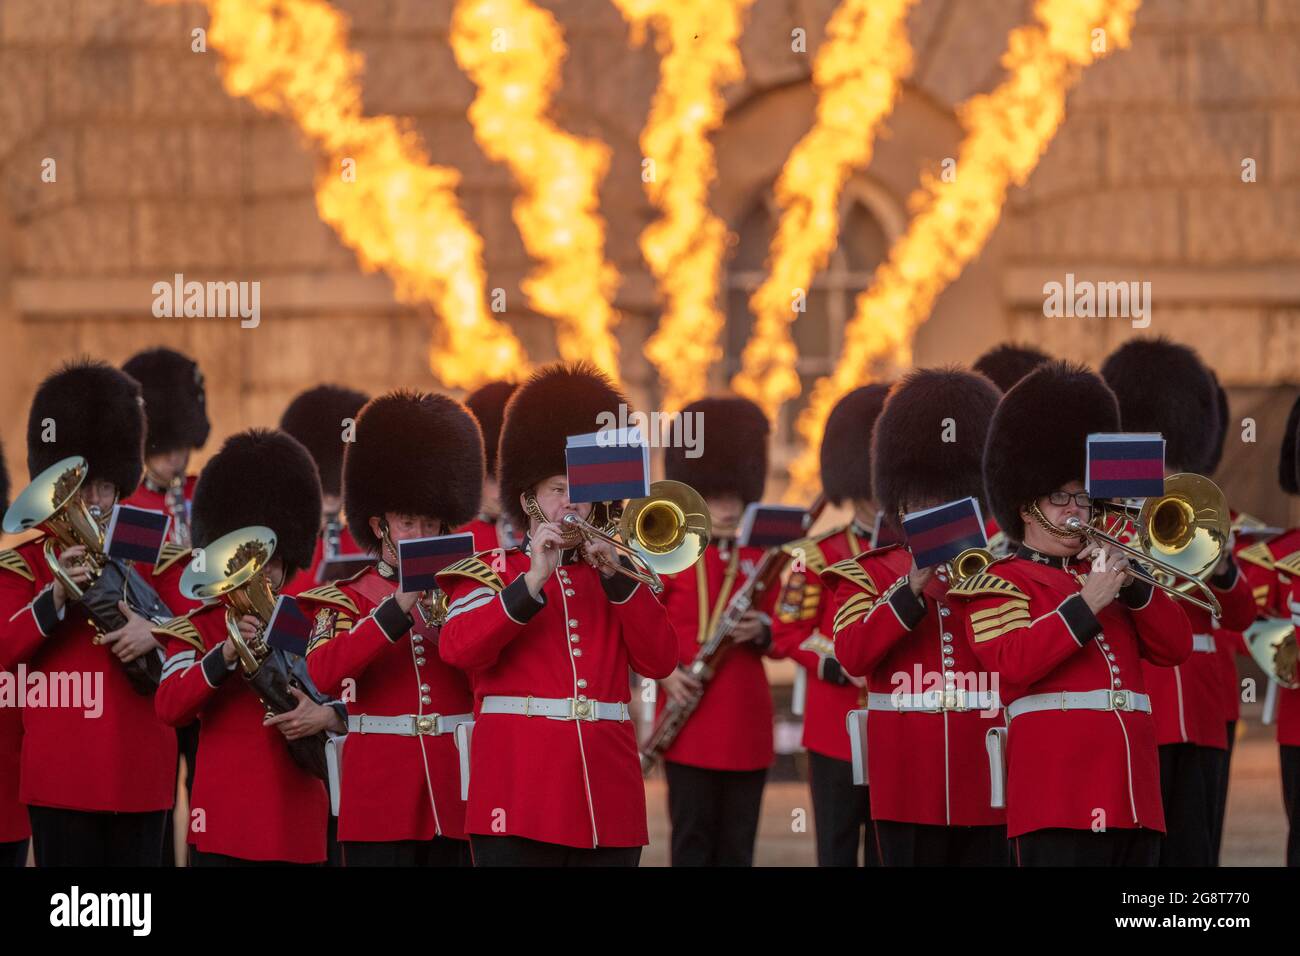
923 844
841 813
200 859
440 851
1290 757
187 743
13 854
1189 791
1221 796
519 851
83 838
714 814
1136 847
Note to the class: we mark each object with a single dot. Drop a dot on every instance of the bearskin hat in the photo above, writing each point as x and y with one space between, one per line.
1038 439
1164 387
175 403
96 411
315 417
915 456
1286 461
1007 364
488 404
558 400
260 477
1211 464
846 444
413 453
732 440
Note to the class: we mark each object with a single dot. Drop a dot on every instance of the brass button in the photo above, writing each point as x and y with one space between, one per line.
425 700
582 682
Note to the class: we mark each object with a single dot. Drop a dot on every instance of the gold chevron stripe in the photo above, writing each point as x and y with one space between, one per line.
999 610
1257 554
1006 629
329 594
11 560
476 569
850 570
183 629
984 583
171 553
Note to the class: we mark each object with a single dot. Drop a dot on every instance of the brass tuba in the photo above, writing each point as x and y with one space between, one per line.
1182 534
1272 643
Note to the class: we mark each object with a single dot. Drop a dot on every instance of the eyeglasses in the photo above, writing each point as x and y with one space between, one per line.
1063 498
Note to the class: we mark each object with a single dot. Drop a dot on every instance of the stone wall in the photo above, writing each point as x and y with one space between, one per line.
160 171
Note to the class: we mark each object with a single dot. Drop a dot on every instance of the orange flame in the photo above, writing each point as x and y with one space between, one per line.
1007 131
685 246
513 51
400 215
858 74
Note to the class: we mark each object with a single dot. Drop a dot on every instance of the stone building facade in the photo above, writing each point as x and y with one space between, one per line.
159 171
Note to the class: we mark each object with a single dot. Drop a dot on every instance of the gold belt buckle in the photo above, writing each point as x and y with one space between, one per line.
582 709
1119 700
953 700
427 724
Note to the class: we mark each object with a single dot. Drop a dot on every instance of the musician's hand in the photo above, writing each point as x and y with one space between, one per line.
601 556
546 545
406 599
249 628
133 639
749 629
1101 586
73 561
306 719
918 578
681 687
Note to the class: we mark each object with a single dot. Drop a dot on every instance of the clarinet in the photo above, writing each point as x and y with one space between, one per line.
179 509
711 653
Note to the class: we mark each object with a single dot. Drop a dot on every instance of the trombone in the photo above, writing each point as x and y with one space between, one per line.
663 533
1188 526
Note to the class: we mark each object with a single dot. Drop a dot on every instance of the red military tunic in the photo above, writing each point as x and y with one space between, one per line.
121 759
146 497
1285 549
1272 588
804 630
1075 769
250 799
573 782
1187 700
369 652
308 578
486 537
922 767
731 728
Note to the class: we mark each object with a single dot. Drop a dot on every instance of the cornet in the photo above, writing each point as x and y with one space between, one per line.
1187 526
663 533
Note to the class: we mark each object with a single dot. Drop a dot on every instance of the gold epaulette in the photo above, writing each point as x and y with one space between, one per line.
329 594
11 560
819 645
985 583
183 629
850 570
1289 565
171 553
811 551
476 569
1257 554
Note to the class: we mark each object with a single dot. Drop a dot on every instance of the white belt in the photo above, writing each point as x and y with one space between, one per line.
1203 643
933 701
1082 700
407 725
556 708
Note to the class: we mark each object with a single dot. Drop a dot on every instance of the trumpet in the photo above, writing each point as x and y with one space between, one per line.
663 533
969 563
1187 526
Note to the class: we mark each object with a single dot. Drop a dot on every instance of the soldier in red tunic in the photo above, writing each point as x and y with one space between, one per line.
555 777
1164 387
15 828
98 772
323 419
1282 553
717 766
252 803
414 470
176 413
1066 637
930 701
805 627
491 526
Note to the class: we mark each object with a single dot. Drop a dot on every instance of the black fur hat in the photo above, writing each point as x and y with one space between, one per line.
1211 465
260 476
1038 439
846 444
1286 459
488 404
1007 364
558 400
96 411
733 449
912 462
175 403
315 417
1164 387
413 453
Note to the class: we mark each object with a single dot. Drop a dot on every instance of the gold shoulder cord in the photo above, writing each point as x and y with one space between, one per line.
708 622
